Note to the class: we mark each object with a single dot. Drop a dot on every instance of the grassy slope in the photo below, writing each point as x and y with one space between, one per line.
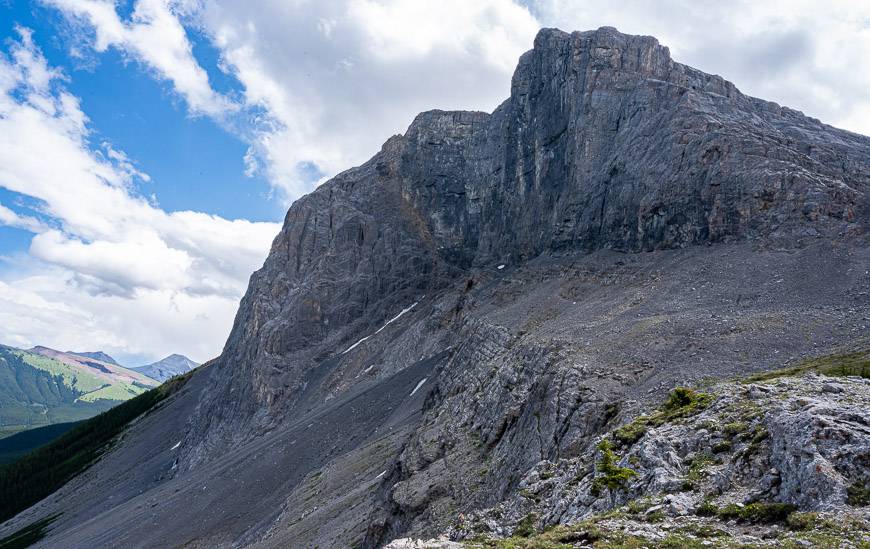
91 386
846 364
36 391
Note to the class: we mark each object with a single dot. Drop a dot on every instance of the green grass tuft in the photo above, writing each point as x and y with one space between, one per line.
721 447
697 470
757 513
734 428
799 521
526 527
682 402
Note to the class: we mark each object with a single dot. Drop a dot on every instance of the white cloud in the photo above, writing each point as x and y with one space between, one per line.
154 36
336 79
46 308
26 222
109 262
325 83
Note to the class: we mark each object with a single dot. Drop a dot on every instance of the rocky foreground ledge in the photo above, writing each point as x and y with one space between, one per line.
781 459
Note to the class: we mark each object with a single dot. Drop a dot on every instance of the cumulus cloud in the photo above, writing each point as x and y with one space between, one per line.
154 36
336 79
109 251
326 83
45 307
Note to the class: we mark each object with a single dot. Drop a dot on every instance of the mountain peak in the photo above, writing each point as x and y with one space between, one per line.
605 59
165 368
96 355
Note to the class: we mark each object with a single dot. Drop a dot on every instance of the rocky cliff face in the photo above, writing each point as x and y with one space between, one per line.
705 469
491 291
604 143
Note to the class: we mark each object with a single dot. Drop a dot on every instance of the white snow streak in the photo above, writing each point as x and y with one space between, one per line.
367 370
422 381
395 318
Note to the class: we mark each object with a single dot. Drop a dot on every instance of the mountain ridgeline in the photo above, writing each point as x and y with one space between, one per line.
490 295
41 387
166 368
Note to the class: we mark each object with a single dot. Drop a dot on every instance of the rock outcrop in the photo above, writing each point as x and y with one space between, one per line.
790 440
494 291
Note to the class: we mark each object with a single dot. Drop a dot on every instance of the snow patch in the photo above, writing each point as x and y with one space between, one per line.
367 370
422 381
395 318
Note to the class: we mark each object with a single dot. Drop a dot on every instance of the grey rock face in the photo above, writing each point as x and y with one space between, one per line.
490 293
604 143
788 441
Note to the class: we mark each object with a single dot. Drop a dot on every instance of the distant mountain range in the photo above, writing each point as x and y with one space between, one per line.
43 386
168 367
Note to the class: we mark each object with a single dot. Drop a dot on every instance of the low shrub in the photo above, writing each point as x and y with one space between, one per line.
682 402
613 477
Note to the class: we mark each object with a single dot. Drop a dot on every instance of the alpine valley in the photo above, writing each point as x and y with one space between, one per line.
628 308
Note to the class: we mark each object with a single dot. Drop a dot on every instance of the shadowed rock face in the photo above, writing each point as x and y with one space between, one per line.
493 290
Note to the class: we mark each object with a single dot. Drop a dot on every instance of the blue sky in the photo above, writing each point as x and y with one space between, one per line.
149 148
192 161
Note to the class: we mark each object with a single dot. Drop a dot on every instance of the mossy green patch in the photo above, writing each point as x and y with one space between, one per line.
639 506
526 527
697 470
734 428
682 402
757 513
800 521
722 447
858 493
